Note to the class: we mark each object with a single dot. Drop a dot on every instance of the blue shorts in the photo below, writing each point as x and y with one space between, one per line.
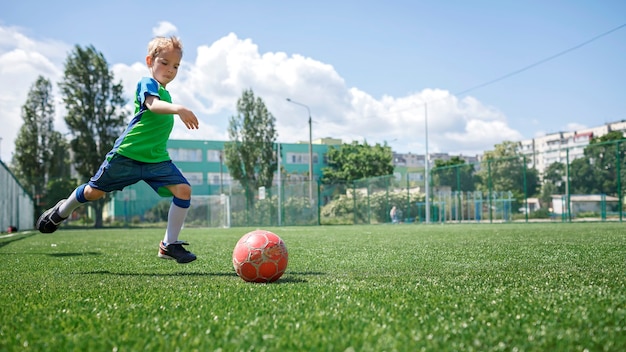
120 171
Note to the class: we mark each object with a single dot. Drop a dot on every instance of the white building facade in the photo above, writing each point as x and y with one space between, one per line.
555 147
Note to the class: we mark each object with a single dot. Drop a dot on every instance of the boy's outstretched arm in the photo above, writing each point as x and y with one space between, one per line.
159 106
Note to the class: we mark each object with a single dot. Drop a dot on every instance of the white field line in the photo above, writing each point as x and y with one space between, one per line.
15 234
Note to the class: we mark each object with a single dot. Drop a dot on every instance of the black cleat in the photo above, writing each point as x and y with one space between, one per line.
49 221
176 251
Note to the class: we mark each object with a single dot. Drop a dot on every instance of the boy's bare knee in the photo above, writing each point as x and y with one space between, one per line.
92 194
185 192
182 191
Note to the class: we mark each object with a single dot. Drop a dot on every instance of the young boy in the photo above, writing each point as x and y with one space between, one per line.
140 153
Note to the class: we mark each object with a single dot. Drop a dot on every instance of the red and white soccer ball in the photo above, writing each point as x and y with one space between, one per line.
260 256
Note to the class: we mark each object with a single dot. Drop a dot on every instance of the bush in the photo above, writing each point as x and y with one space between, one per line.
542 213
344 209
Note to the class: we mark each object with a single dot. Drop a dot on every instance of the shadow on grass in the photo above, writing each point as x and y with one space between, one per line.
107 272
22 236
305 273
289 277
15 238
72 254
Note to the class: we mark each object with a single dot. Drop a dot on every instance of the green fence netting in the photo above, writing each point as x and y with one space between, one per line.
576 184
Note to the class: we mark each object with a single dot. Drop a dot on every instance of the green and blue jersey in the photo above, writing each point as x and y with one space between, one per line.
145 138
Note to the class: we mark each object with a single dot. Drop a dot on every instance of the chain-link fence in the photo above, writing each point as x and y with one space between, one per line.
16 206
559 185
294 203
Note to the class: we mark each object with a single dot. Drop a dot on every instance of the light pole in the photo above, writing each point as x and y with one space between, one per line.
310 150
280 185
221 172
426 168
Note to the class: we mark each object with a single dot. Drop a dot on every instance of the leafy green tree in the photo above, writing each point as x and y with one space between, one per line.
603 158
504 170
555 175
356 161
60 183
95 113
582 177
596 171
454 173
553 182
41 153
547 190
58 188
250 155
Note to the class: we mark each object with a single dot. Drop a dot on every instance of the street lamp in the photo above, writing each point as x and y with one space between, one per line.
310 149
221 172
426 166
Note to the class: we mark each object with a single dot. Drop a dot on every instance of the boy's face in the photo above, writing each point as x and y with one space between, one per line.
164 66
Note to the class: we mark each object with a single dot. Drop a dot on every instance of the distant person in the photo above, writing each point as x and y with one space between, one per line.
393 214
140 153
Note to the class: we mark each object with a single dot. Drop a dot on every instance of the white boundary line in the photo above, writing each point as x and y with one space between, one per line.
15 234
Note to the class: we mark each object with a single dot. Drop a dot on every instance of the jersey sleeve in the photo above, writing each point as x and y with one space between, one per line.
147 86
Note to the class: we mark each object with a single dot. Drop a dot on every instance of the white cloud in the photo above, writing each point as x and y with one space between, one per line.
164 28
22 60
211 81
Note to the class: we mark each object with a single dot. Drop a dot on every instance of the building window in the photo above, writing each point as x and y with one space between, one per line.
194 178
182 154
295 178
415 176
214 178
213 155
300 158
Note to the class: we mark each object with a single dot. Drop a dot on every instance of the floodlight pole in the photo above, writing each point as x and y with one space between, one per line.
221 171
310 149
280 186
426 166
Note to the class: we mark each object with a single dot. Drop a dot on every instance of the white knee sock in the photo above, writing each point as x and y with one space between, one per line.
175 219
70 204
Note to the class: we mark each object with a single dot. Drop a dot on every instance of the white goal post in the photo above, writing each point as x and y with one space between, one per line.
209 211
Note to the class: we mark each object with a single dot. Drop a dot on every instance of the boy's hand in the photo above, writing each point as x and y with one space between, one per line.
158 106
189 118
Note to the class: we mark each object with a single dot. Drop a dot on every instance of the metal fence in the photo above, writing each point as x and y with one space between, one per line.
564 184
16 206
570 185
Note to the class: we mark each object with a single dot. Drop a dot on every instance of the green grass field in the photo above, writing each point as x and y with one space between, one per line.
509 287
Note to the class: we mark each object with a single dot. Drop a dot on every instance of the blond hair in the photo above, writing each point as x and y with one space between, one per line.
159 44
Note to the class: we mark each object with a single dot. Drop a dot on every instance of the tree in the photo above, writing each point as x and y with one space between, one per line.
505 171
603 159
356 161
596 171
41 153
582 178
555 175
454 173
553 182
95 113
250 154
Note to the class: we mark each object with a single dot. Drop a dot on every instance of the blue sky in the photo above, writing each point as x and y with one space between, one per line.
363 67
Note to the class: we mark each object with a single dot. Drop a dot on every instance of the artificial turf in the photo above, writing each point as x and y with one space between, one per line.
470 287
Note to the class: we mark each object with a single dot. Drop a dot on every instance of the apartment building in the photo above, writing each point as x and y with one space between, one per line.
563 146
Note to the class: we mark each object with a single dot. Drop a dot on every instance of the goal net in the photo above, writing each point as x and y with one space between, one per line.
209 211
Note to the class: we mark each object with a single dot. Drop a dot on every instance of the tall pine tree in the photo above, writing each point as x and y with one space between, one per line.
95 113
40 151
250 155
